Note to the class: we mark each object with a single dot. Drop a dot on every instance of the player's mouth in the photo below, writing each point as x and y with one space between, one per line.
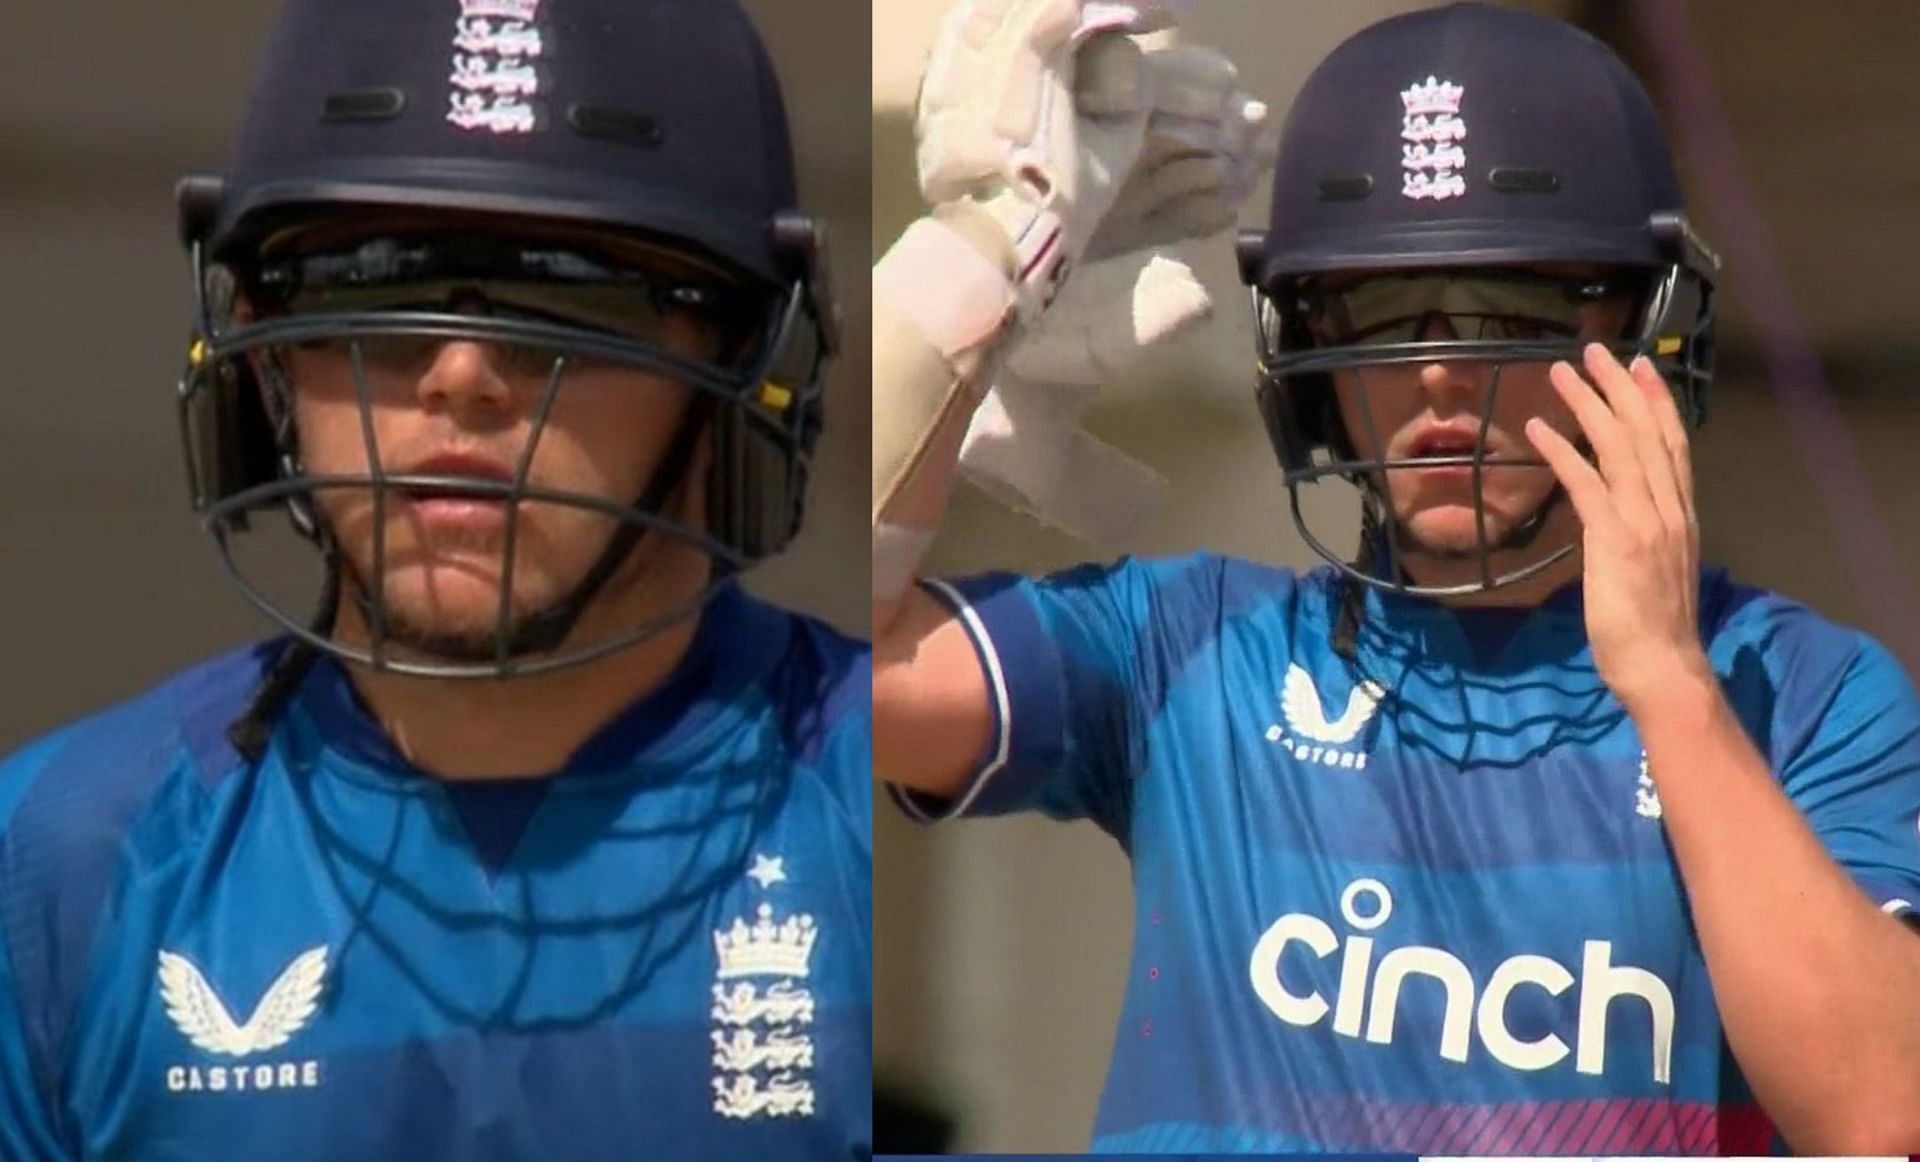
462 504
1444 451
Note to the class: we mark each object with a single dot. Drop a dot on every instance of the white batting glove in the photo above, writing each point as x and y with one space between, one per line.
1025 446
1109 316
1034 112
1208 144
1207 147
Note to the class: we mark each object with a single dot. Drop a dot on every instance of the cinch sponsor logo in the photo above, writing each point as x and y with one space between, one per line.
1368 994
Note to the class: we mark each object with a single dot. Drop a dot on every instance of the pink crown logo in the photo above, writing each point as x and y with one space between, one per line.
1433 96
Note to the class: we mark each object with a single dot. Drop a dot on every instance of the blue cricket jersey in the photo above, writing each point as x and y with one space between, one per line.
1422 903
663 951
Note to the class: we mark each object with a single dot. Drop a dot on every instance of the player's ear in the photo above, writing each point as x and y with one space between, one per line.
270 389
241 314
693 497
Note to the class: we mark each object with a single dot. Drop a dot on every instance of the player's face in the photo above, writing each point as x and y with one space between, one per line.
464 408
1418 411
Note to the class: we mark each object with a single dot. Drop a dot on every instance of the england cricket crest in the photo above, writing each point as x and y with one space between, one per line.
496 79
762 1011
1431 133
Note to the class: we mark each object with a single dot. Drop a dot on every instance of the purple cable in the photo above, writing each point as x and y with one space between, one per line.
1819 437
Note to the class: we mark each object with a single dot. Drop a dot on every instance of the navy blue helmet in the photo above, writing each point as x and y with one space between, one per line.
1467 153
652 126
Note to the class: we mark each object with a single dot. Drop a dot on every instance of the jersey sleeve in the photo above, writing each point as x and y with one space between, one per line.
27 1128
1075 663
1851 764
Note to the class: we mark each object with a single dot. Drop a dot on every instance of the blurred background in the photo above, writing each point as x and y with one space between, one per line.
1001 946
107 583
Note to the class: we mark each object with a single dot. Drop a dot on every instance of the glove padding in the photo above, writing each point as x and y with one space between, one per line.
1079 143
1208 144
1003 124
1025 446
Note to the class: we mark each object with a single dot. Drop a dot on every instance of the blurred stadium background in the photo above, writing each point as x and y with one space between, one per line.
1000 947
107 583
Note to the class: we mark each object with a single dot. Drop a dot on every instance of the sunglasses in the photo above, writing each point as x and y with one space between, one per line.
568 287
1475 304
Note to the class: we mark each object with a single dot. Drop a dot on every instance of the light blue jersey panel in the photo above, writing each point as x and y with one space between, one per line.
1423 902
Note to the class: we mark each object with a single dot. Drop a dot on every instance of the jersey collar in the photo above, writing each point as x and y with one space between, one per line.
739 639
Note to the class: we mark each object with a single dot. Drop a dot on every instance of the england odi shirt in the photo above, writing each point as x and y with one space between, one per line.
1422 902
663 951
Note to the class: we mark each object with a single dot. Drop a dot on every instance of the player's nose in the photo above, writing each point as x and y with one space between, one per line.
467 378
1450 384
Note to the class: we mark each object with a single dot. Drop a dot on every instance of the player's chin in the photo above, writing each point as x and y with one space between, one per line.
449 626
438 585
1455 529
457 588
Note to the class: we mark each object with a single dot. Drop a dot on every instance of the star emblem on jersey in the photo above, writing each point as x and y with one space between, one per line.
768 871
1309 735
197 1011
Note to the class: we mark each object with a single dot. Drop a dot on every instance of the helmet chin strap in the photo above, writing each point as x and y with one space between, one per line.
249 733
1344 634
546 630
1522 535
1518 539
